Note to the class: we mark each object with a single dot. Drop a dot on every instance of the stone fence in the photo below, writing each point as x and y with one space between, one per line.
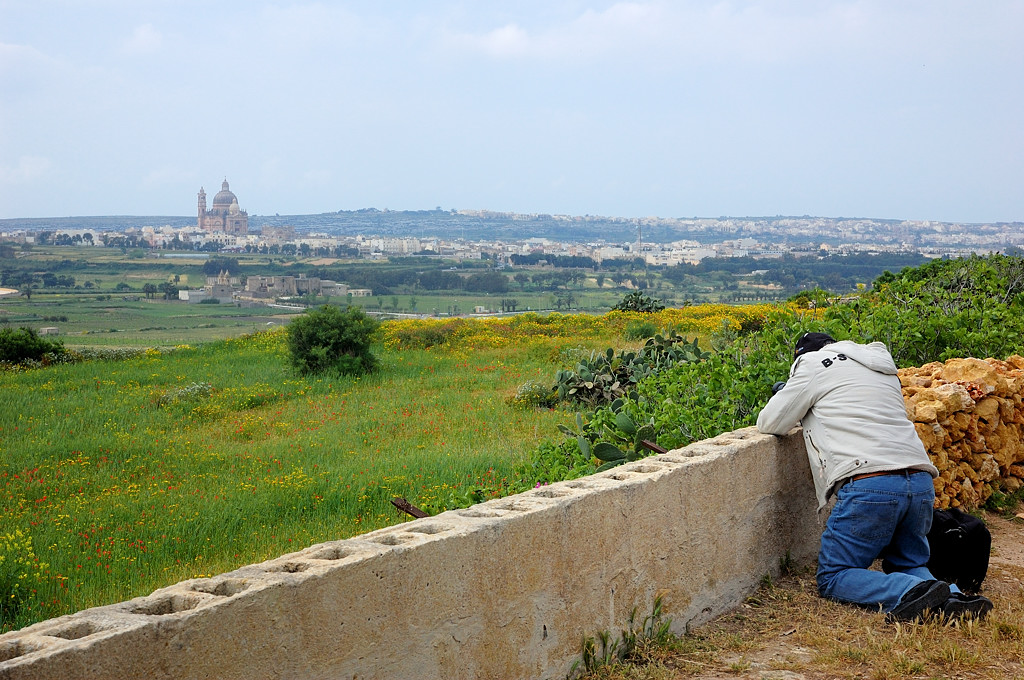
504 589
970 415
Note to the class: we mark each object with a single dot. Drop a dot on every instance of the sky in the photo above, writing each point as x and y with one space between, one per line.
901 109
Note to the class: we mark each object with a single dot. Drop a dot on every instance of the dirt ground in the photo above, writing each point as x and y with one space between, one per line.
786 632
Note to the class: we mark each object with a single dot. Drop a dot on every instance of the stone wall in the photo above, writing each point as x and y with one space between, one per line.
969 414
505 589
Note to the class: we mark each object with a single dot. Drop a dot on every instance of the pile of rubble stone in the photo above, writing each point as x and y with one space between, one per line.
969 414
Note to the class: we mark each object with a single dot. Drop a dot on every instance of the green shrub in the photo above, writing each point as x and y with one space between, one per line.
329 340
603 377
638 301
639 330
947 308
532 394
22 345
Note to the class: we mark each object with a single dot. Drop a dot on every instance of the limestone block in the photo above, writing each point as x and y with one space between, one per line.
967 471
954 395
959 451
958 424
929 411
987 409
932 435
1006 410
985 465
976 371
977 444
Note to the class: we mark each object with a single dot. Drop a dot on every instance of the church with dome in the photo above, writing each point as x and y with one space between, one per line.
224 215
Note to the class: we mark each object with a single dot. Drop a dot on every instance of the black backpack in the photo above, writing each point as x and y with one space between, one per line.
960 545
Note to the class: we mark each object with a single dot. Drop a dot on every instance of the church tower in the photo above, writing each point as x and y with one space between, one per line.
202 207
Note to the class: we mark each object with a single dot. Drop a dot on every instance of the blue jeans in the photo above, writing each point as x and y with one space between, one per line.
885 517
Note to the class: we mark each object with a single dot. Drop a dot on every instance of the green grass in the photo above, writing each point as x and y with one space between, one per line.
129 476
135 323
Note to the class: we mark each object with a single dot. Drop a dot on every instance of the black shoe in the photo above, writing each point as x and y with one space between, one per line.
960 605
920 601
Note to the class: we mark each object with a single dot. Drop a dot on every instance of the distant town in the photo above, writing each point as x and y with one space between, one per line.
479 234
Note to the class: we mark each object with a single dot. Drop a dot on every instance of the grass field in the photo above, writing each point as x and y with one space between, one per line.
118 478
131 475
83 320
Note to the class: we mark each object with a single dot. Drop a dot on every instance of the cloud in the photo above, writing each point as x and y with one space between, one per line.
729 31
28 168
14 58
145 39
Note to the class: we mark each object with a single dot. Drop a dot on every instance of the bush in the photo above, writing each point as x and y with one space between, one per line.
638 301
328 340
639 330
24 345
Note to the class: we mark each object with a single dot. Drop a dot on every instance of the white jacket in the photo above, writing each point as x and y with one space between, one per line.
847 397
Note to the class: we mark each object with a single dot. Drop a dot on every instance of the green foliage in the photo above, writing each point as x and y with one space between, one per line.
633 645
638 301
24 345
190 393
552 462
606 376
532 394
215 265
20 573
600 378
810 299
639 330
947 308
629 440
1005 503
329 340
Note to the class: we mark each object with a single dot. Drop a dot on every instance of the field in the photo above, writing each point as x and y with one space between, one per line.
134 474
119 477
84 321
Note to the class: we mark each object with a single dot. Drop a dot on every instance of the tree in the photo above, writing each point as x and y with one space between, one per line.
150 290
169 290
329 340
24 344
487 282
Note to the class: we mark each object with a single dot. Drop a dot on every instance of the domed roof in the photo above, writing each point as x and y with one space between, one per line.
224 197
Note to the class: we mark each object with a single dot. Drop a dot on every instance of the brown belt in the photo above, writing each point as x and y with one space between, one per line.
878 474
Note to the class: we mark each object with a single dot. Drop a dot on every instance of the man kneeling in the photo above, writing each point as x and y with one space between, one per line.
864 450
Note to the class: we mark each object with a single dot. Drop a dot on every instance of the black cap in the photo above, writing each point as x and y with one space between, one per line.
812 342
